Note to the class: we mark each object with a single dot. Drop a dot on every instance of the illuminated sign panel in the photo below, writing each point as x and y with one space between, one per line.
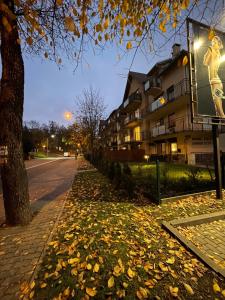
207 62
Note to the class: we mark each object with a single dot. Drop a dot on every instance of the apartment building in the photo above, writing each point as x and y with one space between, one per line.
155 115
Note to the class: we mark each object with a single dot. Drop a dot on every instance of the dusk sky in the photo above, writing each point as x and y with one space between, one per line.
50 91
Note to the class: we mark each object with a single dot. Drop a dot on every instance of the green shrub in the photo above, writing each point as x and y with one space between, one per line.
127 181
111 170
126 169
194 174
118 175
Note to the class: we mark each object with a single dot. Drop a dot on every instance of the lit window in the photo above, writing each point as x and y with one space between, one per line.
137 133
173 147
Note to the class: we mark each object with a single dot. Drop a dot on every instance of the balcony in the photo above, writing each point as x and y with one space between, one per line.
180 89
179 125
127 138
133 120
136 137
153 86
132 102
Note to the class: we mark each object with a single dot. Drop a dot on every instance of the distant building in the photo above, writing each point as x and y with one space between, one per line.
155 116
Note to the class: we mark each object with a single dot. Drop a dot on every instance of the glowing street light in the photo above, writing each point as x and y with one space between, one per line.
67 115
146 157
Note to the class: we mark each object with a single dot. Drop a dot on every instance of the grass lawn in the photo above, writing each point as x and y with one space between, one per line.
108 247
174 171
40 154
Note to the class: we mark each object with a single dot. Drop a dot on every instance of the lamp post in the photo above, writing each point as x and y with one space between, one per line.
146 157
52 136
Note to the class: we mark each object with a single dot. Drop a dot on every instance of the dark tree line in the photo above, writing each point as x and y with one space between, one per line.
36 136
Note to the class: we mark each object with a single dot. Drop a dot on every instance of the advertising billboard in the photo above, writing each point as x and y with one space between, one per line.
207 73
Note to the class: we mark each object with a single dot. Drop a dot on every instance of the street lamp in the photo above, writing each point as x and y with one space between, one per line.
146 157
52 136
67 115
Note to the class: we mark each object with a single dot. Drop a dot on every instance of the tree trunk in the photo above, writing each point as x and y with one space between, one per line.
13 172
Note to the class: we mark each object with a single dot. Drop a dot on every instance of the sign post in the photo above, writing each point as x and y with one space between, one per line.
217 161
206 46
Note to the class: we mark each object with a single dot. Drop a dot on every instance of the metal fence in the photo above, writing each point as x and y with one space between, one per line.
159 180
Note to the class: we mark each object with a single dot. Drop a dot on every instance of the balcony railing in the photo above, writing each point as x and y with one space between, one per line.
178 125
180 89
153 86
137 137
132 118
132 102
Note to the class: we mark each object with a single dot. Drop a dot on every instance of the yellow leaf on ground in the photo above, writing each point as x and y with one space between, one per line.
171 260
91 291
163 267
189 289
125 285
174 291
43 285
66 292
142 293
116 271
111 282
223 293
24 288
121 293
72 261
100 259
216 287
74 272
89 266
96 268
131 273
150 283
31 295
32 285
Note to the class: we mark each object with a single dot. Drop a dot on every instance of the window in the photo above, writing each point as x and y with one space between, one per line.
159 123
173 147
171 120
137 133
170 93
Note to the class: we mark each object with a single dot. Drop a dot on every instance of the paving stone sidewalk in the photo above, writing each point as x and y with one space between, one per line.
204 235
209 238
21 248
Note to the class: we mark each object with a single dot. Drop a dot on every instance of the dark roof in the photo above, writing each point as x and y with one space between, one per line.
174 60
158 65
140 77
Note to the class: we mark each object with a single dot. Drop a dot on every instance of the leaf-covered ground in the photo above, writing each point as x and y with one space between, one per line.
112 248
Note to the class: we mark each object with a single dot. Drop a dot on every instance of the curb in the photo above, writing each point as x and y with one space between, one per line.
171 228
33 276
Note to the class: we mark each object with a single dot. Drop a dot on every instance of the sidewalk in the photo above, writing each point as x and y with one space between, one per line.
21 248
107 246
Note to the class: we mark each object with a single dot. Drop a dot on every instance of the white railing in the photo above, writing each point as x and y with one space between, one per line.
156 104
127 138
158 130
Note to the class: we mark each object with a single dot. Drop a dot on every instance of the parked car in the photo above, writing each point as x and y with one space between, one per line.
66 154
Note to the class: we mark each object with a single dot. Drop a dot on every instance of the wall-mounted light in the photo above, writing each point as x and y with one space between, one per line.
162 100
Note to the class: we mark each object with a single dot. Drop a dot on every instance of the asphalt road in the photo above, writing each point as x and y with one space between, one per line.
48 180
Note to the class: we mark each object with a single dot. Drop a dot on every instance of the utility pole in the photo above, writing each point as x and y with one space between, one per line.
47 147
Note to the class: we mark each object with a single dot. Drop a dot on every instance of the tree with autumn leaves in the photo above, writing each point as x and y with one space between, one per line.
50 28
